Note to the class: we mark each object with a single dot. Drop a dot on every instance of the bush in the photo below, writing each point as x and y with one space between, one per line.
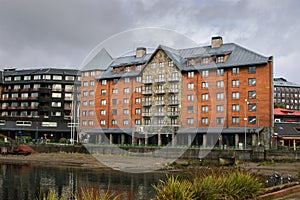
62 140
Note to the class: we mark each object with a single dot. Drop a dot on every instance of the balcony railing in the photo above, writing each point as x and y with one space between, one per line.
173 102
160 91
147 103
172 114
159 103
173 90
147 92
160 80
146 114
159 114
147 81
171 79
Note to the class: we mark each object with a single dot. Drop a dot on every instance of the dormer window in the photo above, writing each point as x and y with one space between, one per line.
205 61
220 59
190 62
138 68
127 69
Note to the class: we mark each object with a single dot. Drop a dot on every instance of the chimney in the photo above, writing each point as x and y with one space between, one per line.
140 52
216 42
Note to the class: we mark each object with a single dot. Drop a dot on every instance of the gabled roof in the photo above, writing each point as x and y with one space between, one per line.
283 82
285 112
57 71
99 62
287 129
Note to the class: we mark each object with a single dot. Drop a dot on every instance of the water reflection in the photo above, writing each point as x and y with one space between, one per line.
26 181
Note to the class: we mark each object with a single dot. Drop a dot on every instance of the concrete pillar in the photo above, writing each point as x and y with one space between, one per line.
132 139
123 139
220 140
100 139
159 139
110 139
146 139
174 139
254 140
204 140
189 139
236 139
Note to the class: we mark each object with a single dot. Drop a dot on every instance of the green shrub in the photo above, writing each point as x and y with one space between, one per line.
174 189
62 140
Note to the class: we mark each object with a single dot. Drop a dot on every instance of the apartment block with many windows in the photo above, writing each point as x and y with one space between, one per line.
38 102
219 94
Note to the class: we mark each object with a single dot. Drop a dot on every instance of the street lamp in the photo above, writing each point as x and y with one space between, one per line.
245 121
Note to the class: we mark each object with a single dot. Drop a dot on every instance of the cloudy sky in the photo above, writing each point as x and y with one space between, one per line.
61 33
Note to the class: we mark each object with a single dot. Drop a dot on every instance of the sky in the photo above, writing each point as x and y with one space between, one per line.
62 33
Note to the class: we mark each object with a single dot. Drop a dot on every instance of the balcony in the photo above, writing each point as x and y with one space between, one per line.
147 92
173 79
147 103
159 103
172 114
160 80
173 102
173 90
160 91
147 81
146 114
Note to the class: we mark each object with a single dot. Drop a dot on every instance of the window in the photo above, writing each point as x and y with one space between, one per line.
37 77
220 72
127 69
115 90
190 121
115 81
92 73
161 64
252 120
204 120
103 92
56 87
205 73
220 120
103 102
125 111
91 113
114 112
220 59
138 79
252 81
236 83
57 77
190 97
137 122
153 65
190 86
204 97
137 111
204 85
204 109
125 101
69 78
220 108
84 123
252 70
102 122
190 109
235 70
56 104
235 107
126 80
126 90
205 61
252 107
104 82
171 63
137 100
125 122
235 95
220 96
235 120
114 101
54 95
190 74
92 92
85 93
114 122
86 74
27 78
102 112
138 67
84 103
91 102
220 84
252 94
138 89
47 77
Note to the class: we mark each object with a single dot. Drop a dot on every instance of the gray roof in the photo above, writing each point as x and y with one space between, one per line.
99 62
56 71
220 130
286 129
239 56
283 82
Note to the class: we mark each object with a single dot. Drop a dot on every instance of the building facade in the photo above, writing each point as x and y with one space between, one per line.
286 94
219 94
38 103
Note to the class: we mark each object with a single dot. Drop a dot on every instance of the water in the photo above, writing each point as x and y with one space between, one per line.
26 181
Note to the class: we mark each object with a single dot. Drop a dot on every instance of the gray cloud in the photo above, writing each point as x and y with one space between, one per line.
56 33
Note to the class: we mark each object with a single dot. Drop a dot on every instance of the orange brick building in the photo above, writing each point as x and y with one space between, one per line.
219 94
